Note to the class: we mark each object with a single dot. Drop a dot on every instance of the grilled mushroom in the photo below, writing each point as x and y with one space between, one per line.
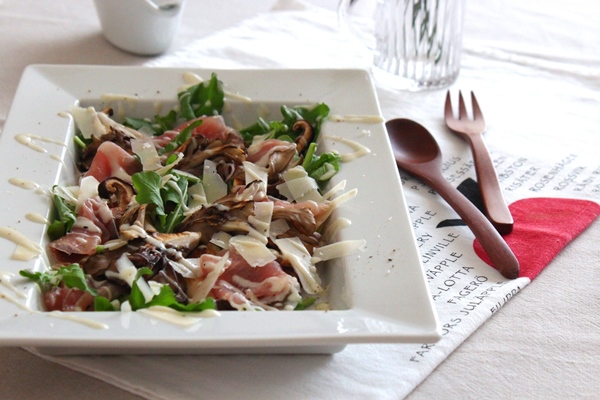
118 193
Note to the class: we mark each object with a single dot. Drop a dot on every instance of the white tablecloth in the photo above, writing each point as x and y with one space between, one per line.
537 75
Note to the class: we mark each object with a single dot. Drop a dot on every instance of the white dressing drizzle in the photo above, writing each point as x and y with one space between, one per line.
5 279
37 218
369 119
16 302
72 317
359 149
26 249
23 183
30 140
167 314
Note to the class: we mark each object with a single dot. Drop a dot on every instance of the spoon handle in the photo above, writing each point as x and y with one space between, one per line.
501 255
493 199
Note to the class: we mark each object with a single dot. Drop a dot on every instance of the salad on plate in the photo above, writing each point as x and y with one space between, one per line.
181 210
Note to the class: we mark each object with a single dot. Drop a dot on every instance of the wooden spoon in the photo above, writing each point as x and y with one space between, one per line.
417 152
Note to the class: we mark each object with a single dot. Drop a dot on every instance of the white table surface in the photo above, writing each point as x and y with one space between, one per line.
549 330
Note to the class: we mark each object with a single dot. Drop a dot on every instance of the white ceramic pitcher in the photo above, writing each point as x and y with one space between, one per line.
144 27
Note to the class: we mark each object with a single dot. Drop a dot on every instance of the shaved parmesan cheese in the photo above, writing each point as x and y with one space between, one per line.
254 251
337 188
278 227
88 122
254 172
214 186
196 198
261 220
109 122
333 228
126 272
145 150
338 201
338 249
187 270
294 251
299 186
88 188
221 239
212 266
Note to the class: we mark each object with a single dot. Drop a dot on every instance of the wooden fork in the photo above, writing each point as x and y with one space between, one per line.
472 131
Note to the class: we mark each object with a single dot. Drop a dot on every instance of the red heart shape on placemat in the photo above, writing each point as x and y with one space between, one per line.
543 227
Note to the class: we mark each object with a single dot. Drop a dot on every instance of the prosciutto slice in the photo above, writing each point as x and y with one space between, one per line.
267 283
67 299
211 128
273 154
112 161
94 225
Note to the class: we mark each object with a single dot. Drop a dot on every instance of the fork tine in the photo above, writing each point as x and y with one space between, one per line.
477 114
448 115
462 110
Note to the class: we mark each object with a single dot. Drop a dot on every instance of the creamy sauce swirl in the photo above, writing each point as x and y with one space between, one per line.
75 318
5 279
368 119
26 249
359 149
169 315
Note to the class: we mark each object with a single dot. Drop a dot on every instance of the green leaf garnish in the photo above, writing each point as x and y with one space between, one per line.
321 168
101 303
64 221
181 138
72 276
305 303
205 98
165 298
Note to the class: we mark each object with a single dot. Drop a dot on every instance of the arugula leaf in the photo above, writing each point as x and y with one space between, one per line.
205 98
305 303
181 138
176 197
41 278
147 185
157 127
321 168
283 129
144 125
72 276
101 303
65 218
166 122
168 199
165 298
136 297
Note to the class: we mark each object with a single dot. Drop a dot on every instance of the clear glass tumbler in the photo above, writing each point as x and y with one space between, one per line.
416 44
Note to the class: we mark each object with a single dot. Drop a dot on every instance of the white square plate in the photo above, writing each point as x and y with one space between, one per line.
377 296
